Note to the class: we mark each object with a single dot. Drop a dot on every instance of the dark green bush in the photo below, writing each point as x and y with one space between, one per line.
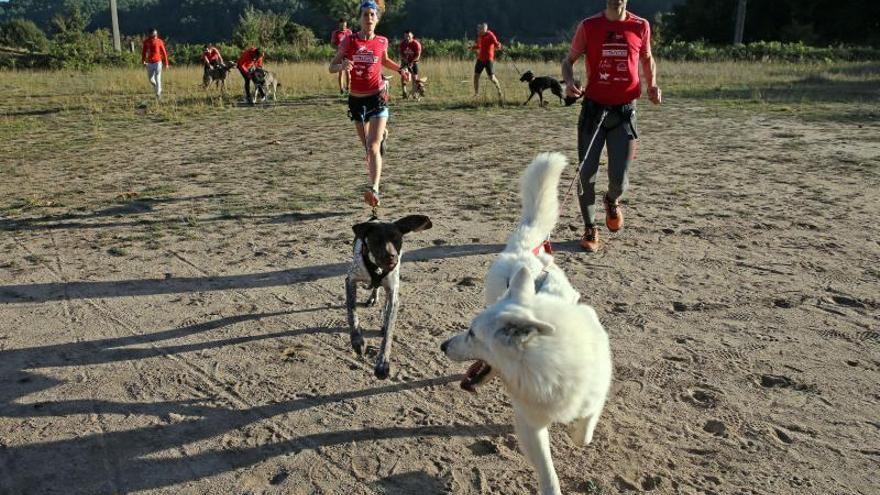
267 29
22 33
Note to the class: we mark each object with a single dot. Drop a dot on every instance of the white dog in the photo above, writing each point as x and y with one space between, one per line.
551 353
540 211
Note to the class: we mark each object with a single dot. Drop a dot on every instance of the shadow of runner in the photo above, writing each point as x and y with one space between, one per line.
16 382
81 465
59 222
55 291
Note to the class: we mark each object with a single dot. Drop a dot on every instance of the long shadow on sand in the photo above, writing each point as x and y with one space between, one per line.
126 461
145 206
412 483
16 382
30 293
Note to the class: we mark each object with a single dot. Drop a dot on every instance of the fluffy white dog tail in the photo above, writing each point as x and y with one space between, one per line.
540 201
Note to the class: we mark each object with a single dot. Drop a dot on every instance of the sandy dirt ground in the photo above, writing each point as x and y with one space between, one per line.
172 308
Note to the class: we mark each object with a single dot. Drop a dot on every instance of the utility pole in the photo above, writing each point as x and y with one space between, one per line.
114 19
740 22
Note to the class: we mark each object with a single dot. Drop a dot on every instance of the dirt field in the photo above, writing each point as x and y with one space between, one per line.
172 317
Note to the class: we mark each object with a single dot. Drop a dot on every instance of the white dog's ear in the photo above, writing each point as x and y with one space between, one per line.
521 326
522 287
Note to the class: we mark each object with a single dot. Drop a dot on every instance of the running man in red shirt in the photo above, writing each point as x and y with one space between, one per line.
485 47
153 54
613 42
364 54
336 39
410 54
249 60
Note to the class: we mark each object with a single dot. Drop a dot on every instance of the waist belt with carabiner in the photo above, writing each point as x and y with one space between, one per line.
617 115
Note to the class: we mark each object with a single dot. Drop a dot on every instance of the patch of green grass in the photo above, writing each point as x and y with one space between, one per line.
161 190
593 487
117 251
35 259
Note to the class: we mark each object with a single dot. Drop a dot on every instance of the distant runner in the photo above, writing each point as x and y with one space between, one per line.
250 59
153 55
211 58
336 39
410 54
485 47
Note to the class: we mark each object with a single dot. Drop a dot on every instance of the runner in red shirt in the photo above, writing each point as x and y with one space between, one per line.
364 54
250 59
613 42
410 54
211 58
153 54
336 39
485 47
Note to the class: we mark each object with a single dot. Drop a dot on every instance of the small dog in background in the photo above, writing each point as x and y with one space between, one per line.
537 85
378 248
419 86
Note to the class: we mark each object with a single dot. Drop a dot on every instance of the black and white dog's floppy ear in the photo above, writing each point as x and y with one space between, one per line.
413 223
362 229
522 287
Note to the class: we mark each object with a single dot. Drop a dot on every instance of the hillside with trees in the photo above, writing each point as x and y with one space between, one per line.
215 20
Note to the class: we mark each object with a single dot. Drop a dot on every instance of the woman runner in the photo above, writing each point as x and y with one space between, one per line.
364 54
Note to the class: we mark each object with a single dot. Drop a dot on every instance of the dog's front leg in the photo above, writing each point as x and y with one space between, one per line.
535 444
529 98
357 340
374 295
392 302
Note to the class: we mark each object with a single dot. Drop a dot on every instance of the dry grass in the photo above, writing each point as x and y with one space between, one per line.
124 90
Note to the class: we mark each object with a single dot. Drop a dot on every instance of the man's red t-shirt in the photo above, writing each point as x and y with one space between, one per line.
248 59
154 51
410 50
366 55
339 35
211 54
486 44
613 50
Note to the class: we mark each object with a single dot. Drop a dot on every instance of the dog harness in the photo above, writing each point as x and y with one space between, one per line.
373 270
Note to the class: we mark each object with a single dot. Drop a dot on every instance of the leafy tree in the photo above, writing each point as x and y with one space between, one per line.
392 9
22 33
257 28
810 21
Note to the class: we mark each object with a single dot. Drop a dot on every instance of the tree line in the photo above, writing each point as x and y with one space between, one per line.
812 22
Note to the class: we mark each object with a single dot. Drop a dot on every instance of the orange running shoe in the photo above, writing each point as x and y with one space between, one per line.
590 240
613 214
371 197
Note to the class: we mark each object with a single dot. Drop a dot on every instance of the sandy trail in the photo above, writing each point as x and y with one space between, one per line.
192 339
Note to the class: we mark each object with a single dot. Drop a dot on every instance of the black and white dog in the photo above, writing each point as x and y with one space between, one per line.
537 85
378 247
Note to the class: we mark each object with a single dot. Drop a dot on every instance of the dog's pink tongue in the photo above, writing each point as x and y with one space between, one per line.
467 383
